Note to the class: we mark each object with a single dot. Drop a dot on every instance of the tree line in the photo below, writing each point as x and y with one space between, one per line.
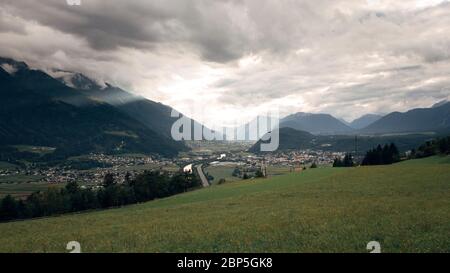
433 147
382 155
145 187
346 162
389 153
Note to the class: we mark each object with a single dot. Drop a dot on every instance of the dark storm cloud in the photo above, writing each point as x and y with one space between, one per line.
108 25
103 25
219 31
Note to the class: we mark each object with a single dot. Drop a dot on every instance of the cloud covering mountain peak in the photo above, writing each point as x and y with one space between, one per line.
241 56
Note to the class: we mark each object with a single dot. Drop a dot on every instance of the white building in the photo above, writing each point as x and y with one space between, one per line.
188 169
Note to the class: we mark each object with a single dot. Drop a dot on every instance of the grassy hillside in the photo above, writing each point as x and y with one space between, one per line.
222 172
406 207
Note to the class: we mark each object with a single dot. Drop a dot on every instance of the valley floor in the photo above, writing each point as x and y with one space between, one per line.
405 207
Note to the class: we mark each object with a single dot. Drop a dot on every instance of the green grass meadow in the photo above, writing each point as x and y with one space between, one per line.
226 172
405 207
222 172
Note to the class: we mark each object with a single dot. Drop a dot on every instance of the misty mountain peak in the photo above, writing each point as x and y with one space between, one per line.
77 80
301 115
439 104
11 66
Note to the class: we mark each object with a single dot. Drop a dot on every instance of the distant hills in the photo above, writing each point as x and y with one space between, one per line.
364 121
80 117
433 119
315 123
291 139
324 132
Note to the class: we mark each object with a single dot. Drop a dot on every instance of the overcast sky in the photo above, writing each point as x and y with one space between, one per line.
231 59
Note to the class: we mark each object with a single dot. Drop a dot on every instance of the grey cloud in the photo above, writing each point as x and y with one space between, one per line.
220 31
9 24
399 69
108 25
339 56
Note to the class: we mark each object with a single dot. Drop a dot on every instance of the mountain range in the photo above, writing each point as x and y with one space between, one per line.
317 124
433 119
407 130
291 139
155 116
75 114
